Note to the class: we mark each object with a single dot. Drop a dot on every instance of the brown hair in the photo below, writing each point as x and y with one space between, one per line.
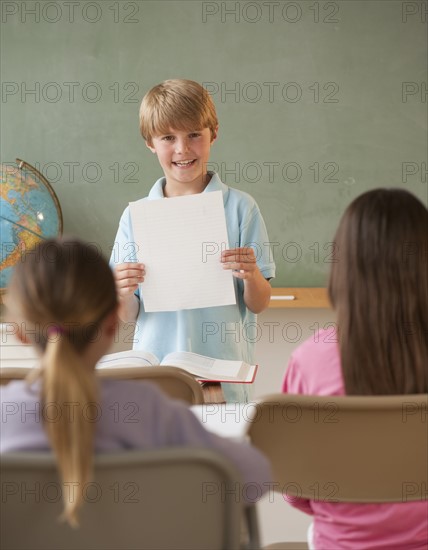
176 104
379 289
64 289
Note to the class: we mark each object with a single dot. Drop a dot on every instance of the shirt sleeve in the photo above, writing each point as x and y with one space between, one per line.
124 247
254 233
294 381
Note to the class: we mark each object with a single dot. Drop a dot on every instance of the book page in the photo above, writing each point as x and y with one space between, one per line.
200 366
180 240
131 358
205 367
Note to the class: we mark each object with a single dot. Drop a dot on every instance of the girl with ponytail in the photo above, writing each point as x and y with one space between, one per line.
62 298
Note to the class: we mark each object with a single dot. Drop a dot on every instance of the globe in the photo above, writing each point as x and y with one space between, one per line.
30 212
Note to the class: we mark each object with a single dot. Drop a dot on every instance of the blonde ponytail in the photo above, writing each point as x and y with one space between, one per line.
70 386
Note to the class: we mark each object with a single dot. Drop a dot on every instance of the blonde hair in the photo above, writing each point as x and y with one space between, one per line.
65 289
176 104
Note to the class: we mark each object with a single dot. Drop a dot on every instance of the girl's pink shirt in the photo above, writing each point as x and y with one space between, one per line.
315 369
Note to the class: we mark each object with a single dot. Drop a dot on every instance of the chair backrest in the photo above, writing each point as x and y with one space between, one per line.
8 374
175 382
151 500
352 449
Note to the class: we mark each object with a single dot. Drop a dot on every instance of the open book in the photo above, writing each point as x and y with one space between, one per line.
203 368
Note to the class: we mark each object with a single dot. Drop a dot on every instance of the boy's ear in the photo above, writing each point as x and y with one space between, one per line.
152 149
214 137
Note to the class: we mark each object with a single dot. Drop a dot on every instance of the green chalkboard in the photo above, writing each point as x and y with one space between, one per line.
317 101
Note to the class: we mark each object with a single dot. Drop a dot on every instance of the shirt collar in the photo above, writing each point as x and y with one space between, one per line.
215 184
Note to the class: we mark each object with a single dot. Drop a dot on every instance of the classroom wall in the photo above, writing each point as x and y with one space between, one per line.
317 101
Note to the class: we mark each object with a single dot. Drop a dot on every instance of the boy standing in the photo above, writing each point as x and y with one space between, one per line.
179 124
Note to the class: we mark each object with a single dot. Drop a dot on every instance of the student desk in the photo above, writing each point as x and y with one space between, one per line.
226 419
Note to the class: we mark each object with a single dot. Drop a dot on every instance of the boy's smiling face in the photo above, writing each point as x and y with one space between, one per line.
183 157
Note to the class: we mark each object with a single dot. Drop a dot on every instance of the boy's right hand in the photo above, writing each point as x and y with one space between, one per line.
128 276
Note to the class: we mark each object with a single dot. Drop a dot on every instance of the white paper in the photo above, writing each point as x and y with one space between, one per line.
180 240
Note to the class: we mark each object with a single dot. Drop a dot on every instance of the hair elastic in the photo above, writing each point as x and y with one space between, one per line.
54 330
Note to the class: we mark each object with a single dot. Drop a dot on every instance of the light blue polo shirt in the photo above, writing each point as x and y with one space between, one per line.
224 332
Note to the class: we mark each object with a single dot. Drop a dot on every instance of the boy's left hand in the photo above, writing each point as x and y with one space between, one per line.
257 289
242 261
